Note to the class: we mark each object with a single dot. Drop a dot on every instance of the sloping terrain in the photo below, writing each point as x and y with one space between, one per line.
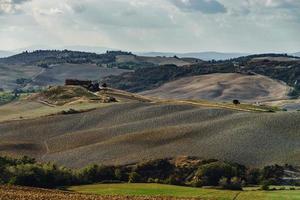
154 60
275 66
57 74
223 87
9 74
41 68
62 100
130 132
34 76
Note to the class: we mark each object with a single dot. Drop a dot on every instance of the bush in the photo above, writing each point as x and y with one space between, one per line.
265 186
273 174
134 177
253 176
211 173
234 183
95 173
236 102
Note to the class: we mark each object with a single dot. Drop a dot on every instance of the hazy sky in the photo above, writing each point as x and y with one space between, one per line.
153 25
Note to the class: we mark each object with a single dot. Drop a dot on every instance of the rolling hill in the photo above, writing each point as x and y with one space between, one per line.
138 128
31 76
37 69
279 67
223 87
200 55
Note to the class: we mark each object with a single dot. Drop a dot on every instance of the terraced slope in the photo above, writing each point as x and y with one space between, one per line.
222 87
133 131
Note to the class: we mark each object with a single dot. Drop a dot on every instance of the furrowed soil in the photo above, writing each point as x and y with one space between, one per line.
25 193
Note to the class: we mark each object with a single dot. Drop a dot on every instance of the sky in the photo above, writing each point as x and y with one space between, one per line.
246 26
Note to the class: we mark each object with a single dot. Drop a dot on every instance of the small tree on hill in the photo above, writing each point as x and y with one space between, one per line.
236 102
104 85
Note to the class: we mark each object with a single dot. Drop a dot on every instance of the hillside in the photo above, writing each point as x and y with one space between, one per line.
154 60
200 55
223 87
37 69
33 77
132 131
275 66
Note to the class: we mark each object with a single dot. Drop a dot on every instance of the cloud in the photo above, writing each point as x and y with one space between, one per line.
157 25
203 6
11 6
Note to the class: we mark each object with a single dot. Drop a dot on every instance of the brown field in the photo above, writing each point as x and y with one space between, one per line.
25 193
223 87
138 128
133 131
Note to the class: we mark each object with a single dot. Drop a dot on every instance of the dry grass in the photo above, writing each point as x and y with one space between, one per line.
223 87
61 95
129 132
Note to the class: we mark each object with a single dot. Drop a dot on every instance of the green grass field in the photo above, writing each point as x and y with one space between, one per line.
179 191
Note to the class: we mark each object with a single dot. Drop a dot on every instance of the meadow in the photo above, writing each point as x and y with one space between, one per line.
179 191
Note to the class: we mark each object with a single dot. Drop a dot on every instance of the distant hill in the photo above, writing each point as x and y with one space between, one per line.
276 66
5 54
297 54
200 55
223 87
51 67
48 57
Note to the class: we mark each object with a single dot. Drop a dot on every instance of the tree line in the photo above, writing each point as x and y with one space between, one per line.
27 171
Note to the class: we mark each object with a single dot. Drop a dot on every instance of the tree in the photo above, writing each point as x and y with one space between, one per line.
104 85
253 176
236 102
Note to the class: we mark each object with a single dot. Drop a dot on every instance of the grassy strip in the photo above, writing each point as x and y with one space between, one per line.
179 191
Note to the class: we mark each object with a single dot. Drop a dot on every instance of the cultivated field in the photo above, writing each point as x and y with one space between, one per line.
179 192
24 193
133 131
223 87
141 192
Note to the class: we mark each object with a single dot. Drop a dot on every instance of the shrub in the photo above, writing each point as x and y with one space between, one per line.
265 186
211 173
272 174
236 102
253 176
234 183
134 177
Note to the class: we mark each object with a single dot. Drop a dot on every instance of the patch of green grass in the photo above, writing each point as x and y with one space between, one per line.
179 191
6 97
152 190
